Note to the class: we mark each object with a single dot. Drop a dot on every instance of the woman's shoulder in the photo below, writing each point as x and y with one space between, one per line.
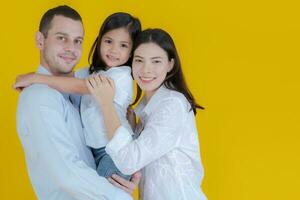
172 98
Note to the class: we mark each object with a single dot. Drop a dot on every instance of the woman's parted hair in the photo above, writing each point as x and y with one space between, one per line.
175 78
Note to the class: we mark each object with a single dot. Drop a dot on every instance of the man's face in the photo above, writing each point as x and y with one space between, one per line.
61 49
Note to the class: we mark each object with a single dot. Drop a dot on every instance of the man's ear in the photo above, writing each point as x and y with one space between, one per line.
171 64
39 40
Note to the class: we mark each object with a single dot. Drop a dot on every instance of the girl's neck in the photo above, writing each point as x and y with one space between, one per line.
107 67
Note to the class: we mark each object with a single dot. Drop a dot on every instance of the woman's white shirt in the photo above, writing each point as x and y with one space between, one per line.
166 149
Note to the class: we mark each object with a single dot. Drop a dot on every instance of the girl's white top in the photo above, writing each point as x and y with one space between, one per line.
91 115
166 150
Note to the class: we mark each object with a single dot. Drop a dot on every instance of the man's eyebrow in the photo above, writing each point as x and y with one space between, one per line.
61 33
65 34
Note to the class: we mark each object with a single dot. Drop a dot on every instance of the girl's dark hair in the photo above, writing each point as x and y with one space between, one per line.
174 79
114 21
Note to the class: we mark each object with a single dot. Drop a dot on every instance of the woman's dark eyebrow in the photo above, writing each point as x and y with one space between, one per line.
157 57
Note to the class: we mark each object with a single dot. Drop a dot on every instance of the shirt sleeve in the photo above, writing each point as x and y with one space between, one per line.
160 135
50 148
81 74
93 122
124 89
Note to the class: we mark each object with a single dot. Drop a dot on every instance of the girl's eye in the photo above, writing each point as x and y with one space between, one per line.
124 45
108 41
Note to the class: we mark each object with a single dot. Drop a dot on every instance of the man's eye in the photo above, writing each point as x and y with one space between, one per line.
61 38
78 41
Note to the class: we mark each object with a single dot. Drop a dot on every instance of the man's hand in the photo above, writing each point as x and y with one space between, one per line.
128 186
24 80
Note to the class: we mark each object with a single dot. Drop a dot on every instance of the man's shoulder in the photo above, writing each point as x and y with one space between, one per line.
40 93
82 73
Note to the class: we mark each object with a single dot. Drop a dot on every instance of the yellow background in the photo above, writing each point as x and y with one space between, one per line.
240 59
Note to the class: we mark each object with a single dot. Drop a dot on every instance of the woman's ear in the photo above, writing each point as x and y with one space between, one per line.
39 40
171 64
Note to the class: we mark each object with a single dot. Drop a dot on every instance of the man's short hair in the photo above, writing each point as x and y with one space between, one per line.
64 10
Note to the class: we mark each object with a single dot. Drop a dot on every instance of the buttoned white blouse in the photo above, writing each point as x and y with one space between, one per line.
166 150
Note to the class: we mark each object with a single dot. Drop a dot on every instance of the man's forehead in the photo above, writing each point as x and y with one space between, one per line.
66 26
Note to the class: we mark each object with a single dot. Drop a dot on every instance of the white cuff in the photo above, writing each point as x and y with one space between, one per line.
120 139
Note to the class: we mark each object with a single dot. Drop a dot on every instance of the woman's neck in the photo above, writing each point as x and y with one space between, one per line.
148 95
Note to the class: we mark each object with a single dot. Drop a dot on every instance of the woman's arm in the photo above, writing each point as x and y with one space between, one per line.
163 131
160 135
131 117
103 90
60 83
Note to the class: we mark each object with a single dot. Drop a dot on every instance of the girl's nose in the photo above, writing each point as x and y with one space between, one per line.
113 48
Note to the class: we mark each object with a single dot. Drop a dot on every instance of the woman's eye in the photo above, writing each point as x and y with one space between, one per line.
156 61
137 60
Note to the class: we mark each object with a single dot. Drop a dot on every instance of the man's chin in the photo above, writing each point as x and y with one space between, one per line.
66 70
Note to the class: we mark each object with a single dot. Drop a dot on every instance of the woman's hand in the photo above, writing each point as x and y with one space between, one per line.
128 186
131 117
25 80
102 88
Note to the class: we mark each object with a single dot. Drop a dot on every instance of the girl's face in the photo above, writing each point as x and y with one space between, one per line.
150 66
115 47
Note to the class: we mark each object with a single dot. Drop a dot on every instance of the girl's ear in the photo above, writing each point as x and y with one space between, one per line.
39 40
171 64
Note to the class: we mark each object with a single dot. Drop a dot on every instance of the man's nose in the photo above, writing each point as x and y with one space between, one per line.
69 46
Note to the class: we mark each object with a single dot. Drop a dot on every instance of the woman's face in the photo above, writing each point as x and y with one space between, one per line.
150 66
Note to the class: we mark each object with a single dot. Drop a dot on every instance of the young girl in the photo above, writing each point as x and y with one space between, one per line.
166 148
109 56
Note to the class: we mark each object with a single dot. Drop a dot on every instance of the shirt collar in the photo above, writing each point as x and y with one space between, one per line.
144 108
43 70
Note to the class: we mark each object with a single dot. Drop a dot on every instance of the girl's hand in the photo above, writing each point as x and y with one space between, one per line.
128 186
131 117
25 80
102 88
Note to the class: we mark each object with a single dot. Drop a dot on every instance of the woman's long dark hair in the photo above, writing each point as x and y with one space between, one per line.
114 21
174 79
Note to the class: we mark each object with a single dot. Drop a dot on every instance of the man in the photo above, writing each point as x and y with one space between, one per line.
60 166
